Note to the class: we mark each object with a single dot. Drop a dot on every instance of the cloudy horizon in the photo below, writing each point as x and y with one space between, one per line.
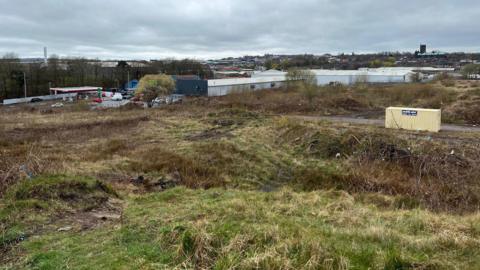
149 29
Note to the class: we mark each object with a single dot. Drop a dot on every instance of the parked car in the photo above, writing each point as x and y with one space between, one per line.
127 96
159 100
33 100
174 99
117 97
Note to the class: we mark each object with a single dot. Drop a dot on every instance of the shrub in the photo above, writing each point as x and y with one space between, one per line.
152 86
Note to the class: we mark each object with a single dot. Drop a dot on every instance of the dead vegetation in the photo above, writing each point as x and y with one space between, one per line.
194 172
22 161
274 191
360 99
70 131
439 176
466 108
234 147
40 148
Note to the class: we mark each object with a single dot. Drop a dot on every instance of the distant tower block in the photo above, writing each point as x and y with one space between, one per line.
45 56
423 48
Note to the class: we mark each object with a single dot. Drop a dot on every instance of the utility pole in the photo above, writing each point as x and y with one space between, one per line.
25 84
128 79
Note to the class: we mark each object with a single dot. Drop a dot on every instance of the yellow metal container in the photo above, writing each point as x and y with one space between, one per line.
413 119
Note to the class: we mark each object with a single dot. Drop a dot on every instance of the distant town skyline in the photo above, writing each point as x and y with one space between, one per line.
215 29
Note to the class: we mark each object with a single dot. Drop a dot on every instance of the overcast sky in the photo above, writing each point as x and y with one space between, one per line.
147 29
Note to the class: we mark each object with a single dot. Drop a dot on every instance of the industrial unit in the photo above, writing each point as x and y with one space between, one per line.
429 70
269 73
270 79
348 77
275 79
224 87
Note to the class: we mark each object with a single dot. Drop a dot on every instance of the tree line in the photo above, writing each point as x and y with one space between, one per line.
68 72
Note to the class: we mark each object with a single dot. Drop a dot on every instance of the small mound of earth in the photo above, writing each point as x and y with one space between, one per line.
109 213
67 201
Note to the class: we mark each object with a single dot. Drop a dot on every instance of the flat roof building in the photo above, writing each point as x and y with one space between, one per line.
348 77
224 87
69 90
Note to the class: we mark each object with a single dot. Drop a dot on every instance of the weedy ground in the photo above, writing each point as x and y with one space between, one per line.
252 192
459 100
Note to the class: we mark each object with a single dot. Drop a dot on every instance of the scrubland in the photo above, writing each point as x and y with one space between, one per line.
235 183
459 101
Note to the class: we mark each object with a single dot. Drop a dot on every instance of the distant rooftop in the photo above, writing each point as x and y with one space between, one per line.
75 89
241 81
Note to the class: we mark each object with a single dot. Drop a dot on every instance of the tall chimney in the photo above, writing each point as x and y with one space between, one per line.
45 56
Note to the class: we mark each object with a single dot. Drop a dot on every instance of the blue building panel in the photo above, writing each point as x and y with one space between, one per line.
191 87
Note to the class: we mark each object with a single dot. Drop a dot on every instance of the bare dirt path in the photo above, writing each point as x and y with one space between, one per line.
379 122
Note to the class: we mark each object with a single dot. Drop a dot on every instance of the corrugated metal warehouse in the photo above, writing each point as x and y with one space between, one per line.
413 69
275 79
348 77
224 87
269 73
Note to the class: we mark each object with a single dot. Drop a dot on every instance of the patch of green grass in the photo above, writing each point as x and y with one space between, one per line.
218 229
61 187
30 205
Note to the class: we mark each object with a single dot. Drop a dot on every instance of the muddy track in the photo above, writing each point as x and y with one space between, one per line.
379 122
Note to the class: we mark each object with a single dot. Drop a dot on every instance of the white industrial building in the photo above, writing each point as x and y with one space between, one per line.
269 73
274 78
348 77
412 69
224 87
423 70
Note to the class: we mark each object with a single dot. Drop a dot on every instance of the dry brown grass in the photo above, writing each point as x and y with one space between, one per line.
194 172
34 143
430 174
242 148
466 108
19 163
326 100
71 131
290 203
359 99
442 176
410 95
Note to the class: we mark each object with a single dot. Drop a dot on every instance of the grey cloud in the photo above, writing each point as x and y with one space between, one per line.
203 29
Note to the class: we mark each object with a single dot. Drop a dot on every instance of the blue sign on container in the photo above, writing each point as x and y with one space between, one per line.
409 112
